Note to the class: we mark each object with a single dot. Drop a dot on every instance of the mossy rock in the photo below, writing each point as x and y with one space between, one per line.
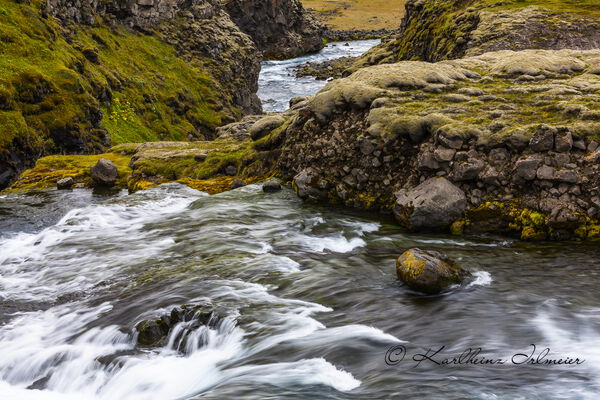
429 271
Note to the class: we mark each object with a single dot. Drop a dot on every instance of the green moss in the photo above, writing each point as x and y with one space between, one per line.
48 170
54 92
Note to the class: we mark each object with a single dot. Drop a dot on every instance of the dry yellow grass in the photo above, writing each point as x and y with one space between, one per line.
358 14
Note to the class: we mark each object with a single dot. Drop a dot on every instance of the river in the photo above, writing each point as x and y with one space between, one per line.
278 84
312 308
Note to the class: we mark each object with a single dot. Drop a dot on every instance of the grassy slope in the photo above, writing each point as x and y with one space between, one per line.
47 85
358 14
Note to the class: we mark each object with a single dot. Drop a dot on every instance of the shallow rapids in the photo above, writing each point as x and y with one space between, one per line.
310 295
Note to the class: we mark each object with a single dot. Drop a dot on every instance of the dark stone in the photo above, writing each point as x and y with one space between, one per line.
231 170
65 183
200 157
238 183
309 185
104 173
467 170
271 186
428 271
527 168
543 139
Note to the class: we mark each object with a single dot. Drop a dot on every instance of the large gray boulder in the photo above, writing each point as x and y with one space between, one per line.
429 271
431 206
104 173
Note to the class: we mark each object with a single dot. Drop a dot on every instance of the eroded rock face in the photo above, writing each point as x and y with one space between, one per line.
201 30
429 271
280 28
434 30
521 150
431 206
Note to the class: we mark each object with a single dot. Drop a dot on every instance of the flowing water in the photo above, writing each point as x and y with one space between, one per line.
278 84
310 302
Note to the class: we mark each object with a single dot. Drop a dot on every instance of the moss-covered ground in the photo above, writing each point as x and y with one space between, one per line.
57 84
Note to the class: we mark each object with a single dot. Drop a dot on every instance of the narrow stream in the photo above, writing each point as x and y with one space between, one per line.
278 84
310 302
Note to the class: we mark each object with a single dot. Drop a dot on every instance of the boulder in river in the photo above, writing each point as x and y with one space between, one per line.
154 332
429 271
104 173
431 206
271 186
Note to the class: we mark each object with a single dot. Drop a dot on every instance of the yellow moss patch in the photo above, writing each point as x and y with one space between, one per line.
213 186
49 170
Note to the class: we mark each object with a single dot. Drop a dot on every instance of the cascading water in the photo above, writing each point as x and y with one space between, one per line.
308 294
277 83
309 305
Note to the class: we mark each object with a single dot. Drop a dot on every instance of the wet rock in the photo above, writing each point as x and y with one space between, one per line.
104 173
264 126
431 206
429 271
154 332
271 186
65 183
238 183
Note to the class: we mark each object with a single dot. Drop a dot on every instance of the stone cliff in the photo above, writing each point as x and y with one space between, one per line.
434 30
280 28
516 135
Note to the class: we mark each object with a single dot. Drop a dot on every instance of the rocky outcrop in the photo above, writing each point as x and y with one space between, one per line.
280 28
434 30
201 30
517 132
429 271
128 71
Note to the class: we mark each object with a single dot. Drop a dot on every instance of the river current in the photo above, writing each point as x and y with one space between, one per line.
312 306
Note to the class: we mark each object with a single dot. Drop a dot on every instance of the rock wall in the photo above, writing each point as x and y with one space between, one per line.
517 132
280 28
434 30
200 29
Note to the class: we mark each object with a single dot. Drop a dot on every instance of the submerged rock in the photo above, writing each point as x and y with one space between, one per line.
433 205
429 271
104 173
154 332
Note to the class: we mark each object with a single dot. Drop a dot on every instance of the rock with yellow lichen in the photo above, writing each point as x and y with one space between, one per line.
429 271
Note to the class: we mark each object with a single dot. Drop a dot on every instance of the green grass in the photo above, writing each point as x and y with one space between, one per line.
49 88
